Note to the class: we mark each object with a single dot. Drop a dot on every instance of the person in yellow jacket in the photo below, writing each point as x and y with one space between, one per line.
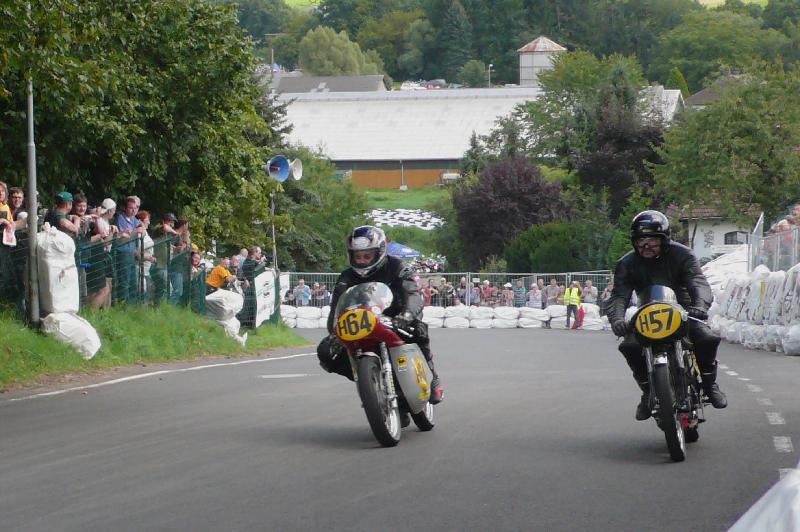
572 298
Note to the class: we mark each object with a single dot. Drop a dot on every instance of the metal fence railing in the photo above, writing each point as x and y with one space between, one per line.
446 289
777 250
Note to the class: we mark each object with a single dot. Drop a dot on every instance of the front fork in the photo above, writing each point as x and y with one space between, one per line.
387 373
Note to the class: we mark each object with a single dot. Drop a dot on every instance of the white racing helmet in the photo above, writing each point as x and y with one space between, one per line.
365 238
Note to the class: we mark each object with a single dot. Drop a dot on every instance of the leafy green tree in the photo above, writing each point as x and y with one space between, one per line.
109 121
707 41
455 38
499 29
777 12
677 81
323 52
473 74
516 194
741 152
549 247
260 17
620 242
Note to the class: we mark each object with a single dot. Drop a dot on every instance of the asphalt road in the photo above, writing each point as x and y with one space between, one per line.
536 433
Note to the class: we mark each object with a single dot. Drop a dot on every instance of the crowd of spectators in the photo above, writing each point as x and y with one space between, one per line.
122 256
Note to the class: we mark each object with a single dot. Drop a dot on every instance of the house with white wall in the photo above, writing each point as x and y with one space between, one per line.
708 232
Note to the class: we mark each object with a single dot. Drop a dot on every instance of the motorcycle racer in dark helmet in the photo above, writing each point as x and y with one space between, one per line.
655 259
370 262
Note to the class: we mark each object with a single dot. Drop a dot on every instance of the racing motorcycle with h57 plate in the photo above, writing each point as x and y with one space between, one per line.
661 326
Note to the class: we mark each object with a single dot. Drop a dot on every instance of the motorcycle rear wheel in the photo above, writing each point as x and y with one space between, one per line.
384 420
670 424
424 420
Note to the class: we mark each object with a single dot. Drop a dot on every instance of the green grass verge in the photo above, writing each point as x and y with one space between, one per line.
418 198
129 336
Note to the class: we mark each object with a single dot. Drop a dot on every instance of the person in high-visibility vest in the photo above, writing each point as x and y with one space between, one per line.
572 298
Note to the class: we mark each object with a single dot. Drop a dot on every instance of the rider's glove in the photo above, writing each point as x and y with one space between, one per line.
619 327
698 313
403 321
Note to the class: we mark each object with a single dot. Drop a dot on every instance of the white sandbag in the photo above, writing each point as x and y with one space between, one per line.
752 336
534 314
481 313
324 312
434 323
480 324
590 311
500 323
289 322
559 322
58 276
308 323
772 337
232 326
458 311
506 313
777 510
557 311
529 323
791 341
323 323
308 313
456 322
74 330
593 324
288 311
432 312
733 334
223 305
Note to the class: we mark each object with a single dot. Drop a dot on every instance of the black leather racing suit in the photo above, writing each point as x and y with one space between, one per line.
677 268
400 279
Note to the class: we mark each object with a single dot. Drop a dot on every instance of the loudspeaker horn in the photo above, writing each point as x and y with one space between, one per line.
277 168
296 168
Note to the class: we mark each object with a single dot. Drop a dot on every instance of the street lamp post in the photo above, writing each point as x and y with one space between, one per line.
490 74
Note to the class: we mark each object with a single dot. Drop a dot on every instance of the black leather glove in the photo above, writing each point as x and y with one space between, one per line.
403 321
698 313
619 327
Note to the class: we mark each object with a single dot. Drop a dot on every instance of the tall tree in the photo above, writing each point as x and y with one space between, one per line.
387 37
419 41
455 39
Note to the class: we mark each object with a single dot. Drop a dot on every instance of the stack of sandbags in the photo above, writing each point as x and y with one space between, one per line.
791 340
590 311
456 317
289 315
308 317
433 316
505 318
74 330
481 317
532 318
223 306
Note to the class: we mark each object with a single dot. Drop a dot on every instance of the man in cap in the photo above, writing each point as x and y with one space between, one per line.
59 217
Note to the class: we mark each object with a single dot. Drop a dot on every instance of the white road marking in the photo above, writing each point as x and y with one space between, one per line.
731 373
284 376
783 472
775 418
755 389
154 373
745 379
723 366
783 444
764 401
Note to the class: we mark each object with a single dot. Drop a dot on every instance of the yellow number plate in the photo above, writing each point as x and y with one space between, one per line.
355 324
658 321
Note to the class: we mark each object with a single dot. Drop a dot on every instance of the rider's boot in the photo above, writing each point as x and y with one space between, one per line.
437 392
710 386
643 410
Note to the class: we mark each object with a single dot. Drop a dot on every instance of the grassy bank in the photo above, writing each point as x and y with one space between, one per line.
417 198
129 336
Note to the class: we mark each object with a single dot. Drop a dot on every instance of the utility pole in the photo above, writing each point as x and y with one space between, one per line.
33 206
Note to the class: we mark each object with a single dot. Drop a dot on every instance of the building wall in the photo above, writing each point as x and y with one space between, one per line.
531 65
390 174
710 236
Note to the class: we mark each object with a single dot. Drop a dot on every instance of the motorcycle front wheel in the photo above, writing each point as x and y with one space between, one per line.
670 424
384 420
